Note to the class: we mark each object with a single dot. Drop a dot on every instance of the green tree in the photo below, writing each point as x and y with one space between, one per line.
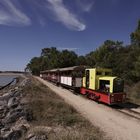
135 36
67 58
137 68
90 59
50 58
34 65
81 60
105 55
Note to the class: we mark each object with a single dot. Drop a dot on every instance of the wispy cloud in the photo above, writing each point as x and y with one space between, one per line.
11 15
86 5
64 15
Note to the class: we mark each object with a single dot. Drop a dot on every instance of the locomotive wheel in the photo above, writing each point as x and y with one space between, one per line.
92 96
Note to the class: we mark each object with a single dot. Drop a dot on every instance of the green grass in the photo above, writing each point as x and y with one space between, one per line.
49 110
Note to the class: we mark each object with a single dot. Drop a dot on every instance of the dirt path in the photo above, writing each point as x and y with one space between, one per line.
116 125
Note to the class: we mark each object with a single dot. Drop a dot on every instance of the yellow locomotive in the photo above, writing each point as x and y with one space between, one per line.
100 85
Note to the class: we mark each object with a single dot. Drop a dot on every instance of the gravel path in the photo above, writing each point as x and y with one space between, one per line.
116 125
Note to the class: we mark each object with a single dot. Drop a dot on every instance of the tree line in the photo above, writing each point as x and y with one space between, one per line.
123 60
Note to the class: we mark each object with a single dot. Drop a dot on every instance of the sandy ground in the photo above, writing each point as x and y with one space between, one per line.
116 125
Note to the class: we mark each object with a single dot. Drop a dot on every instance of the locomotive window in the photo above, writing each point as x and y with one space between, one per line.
87 78
104 85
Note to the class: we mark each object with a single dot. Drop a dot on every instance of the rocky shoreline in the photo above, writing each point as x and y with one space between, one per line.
13 115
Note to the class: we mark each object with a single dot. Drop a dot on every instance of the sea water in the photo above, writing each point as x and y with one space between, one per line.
5 79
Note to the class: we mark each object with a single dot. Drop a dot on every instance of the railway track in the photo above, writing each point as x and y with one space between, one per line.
130 113
128 109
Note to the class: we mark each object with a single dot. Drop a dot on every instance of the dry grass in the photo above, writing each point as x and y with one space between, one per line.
53 116
133 93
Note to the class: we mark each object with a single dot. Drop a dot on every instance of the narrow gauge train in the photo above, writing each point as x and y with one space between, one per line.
95 83
70 77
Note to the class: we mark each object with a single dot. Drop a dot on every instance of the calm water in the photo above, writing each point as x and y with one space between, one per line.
5 79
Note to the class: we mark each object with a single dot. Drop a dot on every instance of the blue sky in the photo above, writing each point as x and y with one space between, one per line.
27 26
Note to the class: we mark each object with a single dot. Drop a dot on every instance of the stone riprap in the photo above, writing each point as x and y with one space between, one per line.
13 114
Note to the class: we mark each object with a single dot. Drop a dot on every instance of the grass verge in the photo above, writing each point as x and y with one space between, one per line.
53 116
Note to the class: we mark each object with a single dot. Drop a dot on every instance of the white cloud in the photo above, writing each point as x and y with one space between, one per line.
11 15
64 16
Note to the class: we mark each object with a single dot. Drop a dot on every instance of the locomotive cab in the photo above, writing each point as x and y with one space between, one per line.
98 78
111 85
99 85
106 84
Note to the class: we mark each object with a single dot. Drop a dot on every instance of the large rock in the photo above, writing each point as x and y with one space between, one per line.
1 125
2 115
15 135
3 111
2 108
6 96
12 135
12 117
2 103
15 131
13 102
19 108
17 93
37 137
4 131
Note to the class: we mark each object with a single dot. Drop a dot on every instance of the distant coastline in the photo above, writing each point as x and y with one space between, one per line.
12 72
